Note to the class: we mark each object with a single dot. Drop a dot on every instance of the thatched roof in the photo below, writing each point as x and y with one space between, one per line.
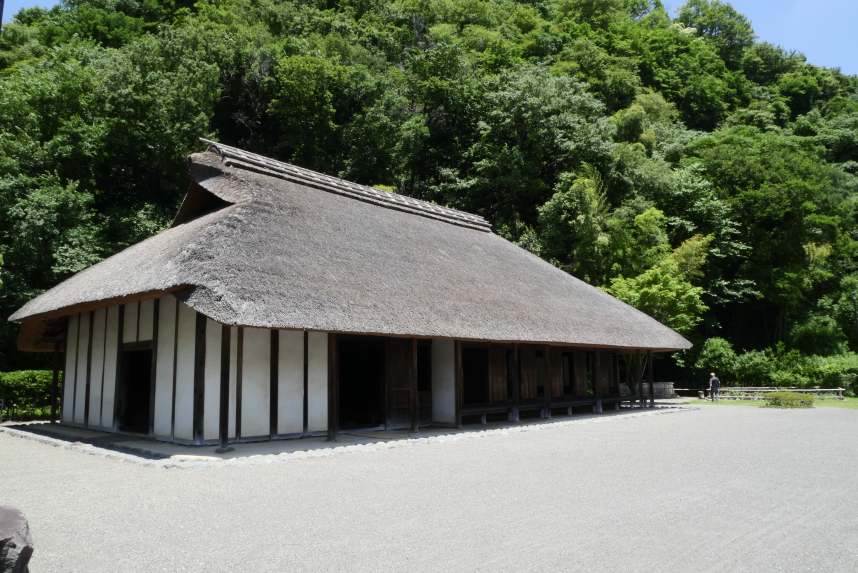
265 244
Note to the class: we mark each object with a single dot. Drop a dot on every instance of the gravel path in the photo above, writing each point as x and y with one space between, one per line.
715 489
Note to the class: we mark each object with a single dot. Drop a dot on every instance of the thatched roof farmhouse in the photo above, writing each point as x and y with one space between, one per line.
282 302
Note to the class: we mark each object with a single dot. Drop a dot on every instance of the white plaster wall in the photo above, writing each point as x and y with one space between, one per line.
184 429
67 410
97 371
317 382
164 366
443 381
233 370
82 348
211 398
290 378
111 351
129 328
256 383
146 327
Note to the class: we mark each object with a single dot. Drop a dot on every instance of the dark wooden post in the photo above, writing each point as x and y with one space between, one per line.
223 422
412 382
88 370
274 384
153 373
489 373
55 383
597 379
239 367
306 382
516 384
333 388
639 376
546 362
199 378
457 359
651 380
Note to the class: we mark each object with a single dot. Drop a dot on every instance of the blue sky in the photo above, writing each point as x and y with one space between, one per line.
822 29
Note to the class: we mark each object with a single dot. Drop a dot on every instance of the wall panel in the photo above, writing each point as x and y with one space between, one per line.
70 373
111 350
96 376
145 328
317 382
82 353
211 398
129 328
184 407
256 383
443 381
164 366
290 393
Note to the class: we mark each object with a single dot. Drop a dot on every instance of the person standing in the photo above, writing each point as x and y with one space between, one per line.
714 387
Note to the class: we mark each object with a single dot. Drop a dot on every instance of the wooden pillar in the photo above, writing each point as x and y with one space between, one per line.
639 375
546 382
223 422
516 384
489 373
412 382
199 378
306 381
239 366
175 371
88 371
459 387
597 379
651 379
153 373
274 384
333 388
55 383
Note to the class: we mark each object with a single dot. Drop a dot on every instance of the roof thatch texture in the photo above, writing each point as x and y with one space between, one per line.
283 247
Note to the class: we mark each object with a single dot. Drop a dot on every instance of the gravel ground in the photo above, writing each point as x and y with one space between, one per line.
713 489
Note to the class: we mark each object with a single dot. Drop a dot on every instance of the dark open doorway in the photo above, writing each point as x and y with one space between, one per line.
361 382
137 376
475 375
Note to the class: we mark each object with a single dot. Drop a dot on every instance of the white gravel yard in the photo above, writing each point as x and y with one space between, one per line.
712 489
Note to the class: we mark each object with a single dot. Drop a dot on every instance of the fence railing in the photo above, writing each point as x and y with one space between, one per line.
756 393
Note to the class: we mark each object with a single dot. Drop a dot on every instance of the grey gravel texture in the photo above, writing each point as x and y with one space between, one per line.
713 489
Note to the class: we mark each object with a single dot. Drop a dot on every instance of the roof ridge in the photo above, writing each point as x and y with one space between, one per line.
355 190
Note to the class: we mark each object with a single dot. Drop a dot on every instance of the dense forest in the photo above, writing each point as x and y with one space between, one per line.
673 160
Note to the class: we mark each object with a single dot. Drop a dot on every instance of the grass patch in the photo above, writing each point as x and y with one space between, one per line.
848 403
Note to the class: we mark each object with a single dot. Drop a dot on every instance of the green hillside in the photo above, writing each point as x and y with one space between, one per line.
704 177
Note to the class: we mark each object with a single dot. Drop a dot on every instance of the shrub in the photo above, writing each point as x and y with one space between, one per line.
28 392
788 400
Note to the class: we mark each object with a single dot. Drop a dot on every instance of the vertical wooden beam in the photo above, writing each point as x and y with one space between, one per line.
153 375
546 363
55 382
597 379
617 372
516 383
274 379
333 388
76 358
199 378
651 379
306 381
175 371
223 422
412 382
88 370
239 367
119 391
639 376
457 359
